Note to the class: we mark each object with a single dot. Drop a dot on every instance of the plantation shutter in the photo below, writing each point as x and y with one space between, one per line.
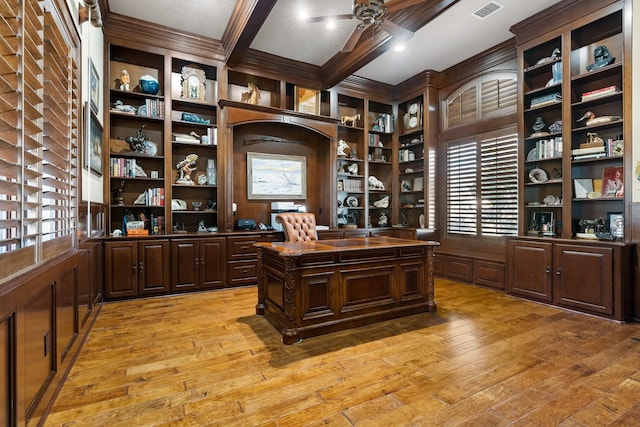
462 206
499 185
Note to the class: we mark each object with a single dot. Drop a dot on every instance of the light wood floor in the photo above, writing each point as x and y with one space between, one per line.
484 359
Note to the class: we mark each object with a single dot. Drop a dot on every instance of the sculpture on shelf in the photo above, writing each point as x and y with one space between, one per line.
344 120
252 96
118 193
601 58
383 221
554 56
185 167
141 199
538 127
556 126
353 169
375 183
342 146
190 117
382 203
592 120
137 143
120 106
125 80
201 227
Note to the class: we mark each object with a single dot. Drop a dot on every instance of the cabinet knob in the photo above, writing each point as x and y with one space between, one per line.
202 262
197 263
547 270
141 267
558 272
134 268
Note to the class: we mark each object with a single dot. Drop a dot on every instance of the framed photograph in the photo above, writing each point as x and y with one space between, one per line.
613 182
615 222
276 177
94 148
307 100
94 85
543 223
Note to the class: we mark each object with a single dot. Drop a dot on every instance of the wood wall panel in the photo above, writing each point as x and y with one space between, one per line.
8 369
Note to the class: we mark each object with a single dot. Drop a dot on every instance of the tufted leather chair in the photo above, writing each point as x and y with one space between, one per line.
298 226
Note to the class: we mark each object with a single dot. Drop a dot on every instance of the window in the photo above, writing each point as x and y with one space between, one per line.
38 140
492 95
482 186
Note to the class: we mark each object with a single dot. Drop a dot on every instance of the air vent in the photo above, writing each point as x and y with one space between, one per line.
487 9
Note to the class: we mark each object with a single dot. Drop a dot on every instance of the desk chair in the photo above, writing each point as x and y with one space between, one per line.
298 226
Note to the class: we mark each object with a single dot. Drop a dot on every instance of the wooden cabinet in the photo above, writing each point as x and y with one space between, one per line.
572 127
198 263
242 259
136 267
411 164
380 181
593 278
351 183
162 143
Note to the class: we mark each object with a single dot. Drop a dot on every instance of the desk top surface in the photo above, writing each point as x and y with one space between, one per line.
342 245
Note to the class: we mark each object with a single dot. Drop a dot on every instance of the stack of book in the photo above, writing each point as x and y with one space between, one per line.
544 100
589 150
603 91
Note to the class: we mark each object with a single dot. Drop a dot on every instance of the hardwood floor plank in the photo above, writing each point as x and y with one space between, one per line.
483 359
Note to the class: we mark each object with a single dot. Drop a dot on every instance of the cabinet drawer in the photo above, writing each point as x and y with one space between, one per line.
242 247
243 272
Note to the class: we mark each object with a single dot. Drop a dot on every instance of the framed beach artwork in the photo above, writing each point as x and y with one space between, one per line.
276 177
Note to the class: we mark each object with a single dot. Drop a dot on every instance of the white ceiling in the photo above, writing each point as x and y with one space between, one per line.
283 34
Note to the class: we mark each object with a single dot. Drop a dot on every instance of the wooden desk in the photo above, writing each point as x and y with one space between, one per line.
313 288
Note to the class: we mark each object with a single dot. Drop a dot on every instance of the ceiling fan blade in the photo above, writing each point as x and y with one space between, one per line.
331 18
396 5
351 42
396 30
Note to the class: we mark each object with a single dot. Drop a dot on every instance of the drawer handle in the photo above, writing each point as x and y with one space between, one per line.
244 248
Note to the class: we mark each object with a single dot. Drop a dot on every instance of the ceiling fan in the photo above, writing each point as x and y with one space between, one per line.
371 13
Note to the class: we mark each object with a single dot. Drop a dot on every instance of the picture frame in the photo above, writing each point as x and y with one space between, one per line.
613 182
543 222
94 145
94 87
307 100
615 222
276 177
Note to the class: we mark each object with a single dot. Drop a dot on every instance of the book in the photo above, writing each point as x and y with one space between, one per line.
590 156
589 150
592 94
541 101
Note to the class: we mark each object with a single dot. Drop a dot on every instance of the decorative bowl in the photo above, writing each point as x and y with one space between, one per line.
149 84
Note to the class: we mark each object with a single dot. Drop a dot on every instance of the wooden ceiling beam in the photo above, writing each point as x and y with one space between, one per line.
373 44
245 22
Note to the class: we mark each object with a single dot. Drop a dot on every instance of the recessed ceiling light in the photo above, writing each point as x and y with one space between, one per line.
331 25
399 47
303 15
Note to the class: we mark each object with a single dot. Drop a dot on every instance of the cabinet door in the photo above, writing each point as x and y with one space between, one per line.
212 262
153 266
185 264
121 269
529 269
584 278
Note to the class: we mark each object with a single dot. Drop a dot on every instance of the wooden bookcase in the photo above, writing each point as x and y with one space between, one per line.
568 252
177 122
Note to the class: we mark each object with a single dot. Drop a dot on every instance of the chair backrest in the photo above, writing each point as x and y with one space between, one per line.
298 226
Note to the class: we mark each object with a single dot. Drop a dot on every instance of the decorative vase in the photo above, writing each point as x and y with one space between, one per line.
149 84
